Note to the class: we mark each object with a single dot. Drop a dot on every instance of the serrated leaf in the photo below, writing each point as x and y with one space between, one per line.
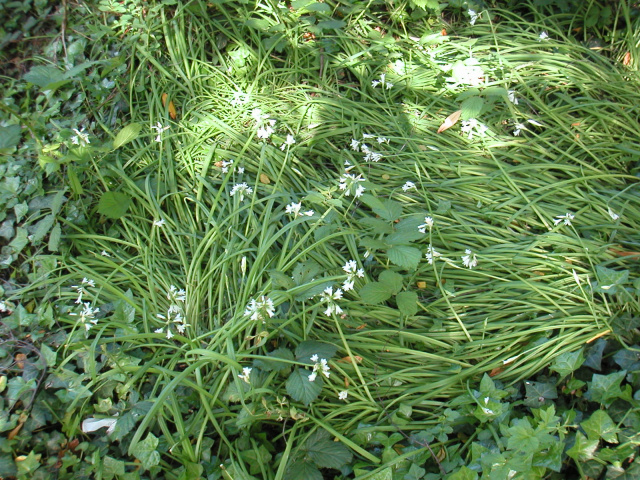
471 107
272 360
390 210
326 453
599 426
404 256
301 389
376 225
46 77
374 292
145 451
114 204
303 469
465 473
583 448
567 362
522 436
127 134
391 280
407 303
386 474
305 350
281 280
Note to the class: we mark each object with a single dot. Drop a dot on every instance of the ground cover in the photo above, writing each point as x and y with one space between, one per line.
324 241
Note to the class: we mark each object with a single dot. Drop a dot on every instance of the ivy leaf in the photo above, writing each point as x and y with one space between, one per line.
301 389
567 362
407 303
404 256
415 473
374 292
583 449
594 354
522 437
145 451
306 349
465 473
124 311
112 467
113 204
599 426
604 389
9 138
325 452
127 134
538 392
124 425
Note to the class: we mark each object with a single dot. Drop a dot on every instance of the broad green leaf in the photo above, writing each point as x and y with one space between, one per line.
9 138
145 451
325 452
27 465
303 469
583 448
124 425
112 467
257 23
281 280
604 389
127 134
42 229
318 7
114 204
404 256
415 473
593 354
271 361
464 473
305 350
522 436
407 303
495 92
403 237
372 202
46 77
54 238
538 392
304 272
50 356
391 280
298 4
567 362
599 426
376 225
301 389
255 458
124 311
331 24
385 474
374 292
19 389
627 359
471 107
7 465
390 210
609 279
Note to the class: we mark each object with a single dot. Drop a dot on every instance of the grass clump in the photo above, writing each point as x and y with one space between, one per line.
278 249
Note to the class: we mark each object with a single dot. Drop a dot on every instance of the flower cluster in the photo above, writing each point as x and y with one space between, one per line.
174 317
294 209
472 126
566 218
246 372
87 316
320 365
350 184
428 223
260 309
369 154
329 297
469 259
431 254
80 138
241 189
239 98
383 81
264 124
159 131
352 272
81 289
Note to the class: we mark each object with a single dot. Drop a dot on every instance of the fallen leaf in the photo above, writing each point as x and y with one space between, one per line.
421 284
347 359
20 359
264 179
450 121
172 108
443 32
626 61
601 334
496 371
385 176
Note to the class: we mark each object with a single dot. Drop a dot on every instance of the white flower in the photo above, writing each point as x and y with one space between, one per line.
469 259
239 98
260 309
408 186
246 372
343 395
382 81
294 208
243 265
289 141
355 144
473 16
428 223
543 36
87 316
511 95
575 276
80 138
264 131
319 366
612 214
240 170
81 288
382 140
309 213
431 254
314 358
92 424
351 267
329 297
350 184
241 189
567 217
159 130
519 128
312 376
159 223
176 295
472 125
257 115
225 165
104 253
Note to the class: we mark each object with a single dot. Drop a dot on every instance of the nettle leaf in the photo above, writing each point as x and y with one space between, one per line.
303 469
604 389
471 107
113 205
325 452
127 134
301 389
304 272
567 362
599 426
609 279
404 256
389 210
281 280
308 348
372 202
407 303
145 451
46 77
272 360
583 448
374 292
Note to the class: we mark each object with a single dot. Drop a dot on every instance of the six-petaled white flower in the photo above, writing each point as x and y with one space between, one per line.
320 365
566 218
469 259
473 16
260 309
343 395
472 126
383 81
330 297
288 142
511 95
351 184
241 189
351 267
543 36
87 316
159 223
518 129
